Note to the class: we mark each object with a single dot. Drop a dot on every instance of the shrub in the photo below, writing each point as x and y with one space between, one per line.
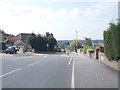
112 42
85 49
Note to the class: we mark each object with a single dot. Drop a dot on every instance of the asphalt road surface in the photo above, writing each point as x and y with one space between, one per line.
56 71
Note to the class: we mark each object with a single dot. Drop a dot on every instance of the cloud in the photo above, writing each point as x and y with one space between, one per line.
92 11
16 18
25 17
76 12
62 12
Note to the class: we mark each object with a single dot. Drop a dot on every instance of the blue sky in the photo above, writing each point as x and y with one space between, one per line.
61 18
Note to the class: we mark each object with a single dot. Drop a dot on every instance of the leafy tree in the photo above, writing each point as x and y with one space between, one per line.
75 43
39 42
88 41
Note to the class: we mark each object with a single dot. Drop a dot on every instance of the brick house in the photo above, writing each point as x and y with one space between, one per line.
20 40
5 40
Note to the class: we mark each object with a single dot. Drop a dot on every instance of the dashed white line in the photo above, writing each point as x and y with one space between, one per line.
10 72
33 63
73 76
70 61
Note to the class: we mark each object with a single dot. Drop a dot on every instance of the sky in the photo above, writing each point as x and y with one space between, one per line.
62 18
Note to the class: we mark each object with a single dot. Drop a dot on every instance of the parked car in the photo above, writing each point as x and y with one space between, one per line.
11 50
62 50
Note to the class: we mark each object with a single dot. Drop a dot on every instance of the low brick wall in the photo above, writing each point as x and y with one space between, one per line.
113 64
20 51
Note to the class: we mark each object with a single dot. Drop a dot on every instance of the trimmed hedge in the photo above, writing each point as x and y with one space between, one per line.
112 42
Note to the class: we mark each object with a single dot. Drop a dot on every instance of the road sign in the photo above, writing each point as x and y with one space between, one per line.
68 43
47 45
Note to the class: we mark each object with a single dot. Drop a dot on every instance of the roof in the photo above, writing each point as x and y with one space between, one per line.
24 34
7 40
19 42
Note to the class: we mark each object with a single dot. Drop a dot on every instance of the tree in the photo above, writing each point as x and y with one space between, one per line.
75 43
51 41
30 40
39 42
88 41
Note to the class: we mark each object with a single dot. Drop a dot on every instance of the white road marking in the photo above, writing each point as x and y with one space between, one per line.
18 58
33 63
64 56
45 56
70 61
10 72
73 76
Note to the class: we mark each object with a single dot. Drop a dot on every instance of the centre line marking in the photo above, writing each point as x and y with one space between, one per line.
73 76
10 72
70 61
33 63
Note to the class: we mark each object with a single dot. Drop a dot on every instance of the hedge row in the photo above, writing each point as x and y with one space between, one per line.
112 42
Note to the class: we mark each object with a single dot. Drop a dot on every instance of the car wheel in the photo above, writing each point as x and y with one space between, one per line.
11 53
6 52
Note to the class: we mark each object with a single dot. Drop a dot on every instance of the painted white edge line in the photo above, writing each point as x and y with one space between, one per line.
45 56
70 61
73 76
33 63
10 72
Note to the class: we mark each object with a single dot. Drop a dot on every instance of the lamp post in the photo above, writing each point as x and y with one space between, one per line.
76 34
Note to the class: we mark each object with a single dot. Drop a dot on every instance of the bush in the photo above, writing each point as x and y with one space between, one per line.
112 42
85 48
57 49
73 44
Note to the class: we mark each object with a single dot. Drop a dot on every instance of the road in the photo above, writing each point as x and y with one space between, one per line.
56 71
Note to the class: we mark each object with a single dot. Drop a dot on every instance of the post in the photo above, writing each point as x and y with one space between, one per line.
76 34
47 46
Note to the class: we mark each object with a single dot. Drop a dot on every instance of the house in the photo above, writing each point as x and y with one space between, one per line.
1 39
20 40
20 44
1 35
5 40
8 43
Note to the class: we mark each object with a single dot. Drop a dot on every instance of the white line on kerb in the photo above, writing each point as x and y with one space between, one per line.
70 61
10 72
73 76
33 63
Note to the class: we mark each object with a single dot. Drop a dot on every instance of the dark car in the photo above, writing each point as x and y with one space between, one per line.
11 50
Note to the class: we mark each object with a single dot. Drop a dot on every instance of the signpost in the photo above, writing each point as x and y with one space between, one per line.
68 46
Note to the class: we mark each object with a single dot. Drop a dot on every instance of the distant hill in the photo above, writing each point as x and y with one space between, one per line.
61 42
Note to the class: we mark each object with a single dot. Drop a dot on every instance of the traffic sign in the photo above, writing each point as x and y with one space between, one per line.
67 43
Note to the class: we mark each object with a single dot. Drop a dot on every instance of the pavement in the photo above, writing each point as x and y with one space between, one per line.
90 73
56 71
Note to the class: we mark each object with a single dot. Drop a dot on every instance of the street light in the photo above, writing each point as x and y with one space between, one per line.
76 34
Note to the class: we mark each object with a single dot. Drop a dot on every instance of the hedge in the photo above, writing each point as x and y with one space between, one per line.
112 42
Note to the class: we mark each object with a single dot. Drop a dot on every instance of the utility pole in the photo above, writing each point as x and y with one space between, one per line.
76 34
